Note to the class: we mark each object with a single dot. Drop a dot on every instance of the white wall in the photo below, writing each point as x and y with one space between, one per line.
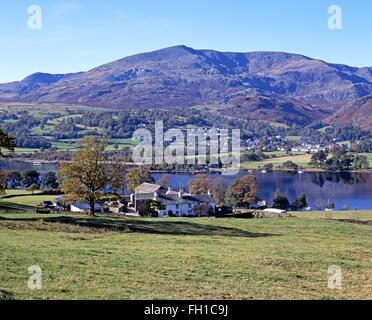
182 210
75 209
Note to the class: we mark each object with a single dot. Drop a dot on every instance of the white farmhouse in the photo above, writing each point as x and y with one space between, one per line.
171 203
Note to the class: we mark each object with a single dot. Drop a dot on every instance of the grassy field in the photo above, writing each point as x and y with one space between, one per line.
22 201
278 158
336 215
59 114
369 156
73 145
301 159
122 258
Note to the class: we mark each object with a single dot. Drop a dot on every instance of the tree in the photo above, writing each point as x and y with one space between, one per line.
118 181
361 162
280 201
269 167
34 187
290 165
341 160
13 178
85 178
243 191
6 142
200 185
319 159
137 176
151 208
3 182
300 202
30 177
50 181
330 205
219 191
203 210
164 181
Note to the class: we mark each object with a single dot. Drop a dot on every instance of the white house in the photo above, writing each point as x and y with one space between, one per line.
182 205
82 207
171 203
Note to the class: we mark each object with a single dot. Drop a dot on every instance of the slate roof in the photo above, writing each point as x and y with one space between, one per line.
147 188
186 199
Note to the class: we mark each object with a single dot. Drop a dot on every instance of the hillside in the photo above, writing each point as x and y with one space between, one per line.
358 114
277 86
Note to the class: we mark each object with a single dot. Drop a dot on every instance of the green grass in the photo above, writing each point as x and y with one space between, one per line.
24 198
300 159
42 132
337 215
278 158
19 151
369 156
73 144
122 258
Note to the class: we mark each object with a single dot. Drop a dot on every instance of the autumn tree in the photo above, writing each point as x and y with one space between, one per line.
219 189
243 191
164 181
34 187
137 176
85 178
3 182
200 185
203 210
6 142
118 182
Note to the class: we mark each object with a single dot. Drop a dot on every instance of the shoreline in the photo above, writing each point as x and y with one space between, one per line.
36 162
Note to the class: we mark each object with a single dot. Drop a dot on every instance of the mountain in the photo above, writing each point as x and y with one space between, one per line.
358 114
272 86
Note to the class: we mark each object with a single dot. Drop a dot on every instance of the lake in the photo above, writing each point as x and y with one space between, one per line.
353 190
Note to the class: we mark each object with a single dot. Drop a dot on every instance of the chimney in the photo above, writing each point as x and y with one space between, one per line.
209 193
155 196
180 193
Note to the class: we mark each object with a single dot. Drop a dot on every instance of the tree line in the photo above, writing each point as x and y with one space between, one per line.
341 160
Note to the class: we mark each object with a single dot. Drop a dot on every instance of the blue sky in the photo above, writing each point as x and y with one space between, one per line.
78 35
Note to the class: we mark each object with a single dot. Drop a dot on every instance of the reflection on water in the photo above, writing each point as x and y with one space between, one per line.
353 190
21 166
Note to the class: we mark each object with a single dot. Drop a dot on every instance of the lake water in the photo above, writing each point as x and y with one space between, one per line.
351 189
21 166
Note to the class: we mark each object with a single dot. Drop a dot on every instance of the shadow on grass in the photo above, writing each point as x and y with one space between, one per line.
10 196
142 226
6 207
6 295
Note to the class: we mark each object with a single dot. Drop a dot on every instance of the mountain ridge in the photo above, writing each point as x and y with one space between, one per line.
284 87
